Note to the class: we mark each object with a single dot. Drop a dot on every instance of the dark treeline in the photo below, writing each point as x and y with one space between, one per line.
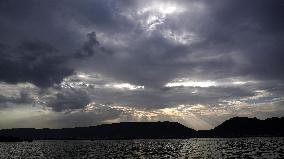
234 127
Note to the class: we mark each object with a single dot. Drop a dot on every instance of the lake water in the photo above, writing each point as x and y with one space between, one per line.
184 148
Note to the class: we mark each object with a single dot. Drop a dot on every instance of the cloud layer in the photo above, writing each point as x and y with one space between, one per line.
197 62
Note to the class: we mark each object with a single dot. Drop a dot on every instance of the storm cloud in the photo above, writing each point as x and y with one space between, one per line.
34 62
158 59
67 100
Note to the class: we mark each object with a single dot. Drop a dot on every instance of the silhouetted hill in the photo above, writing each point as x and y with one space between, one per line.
245 127
124 130
234 127
10 139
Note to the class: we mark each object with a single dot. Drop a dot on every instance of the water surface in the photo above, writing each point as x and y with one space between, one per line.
184 148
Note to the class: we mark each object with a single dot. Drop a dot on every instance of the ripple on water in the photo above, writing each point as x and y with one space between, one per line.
190 148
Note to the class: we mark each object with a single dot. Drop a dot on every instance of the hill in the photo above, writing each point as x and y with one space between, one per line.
246 127
124 130
234 127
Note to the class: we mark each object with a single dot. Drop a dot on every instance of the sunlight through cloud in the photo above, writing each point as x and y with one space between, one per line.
191 84
124 86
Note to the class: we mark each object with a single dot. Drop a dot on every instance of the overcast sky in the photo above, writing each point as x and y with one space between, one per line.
74 63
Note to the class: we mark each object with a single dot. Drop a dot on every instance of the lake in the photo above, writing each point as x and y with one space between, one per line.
171 148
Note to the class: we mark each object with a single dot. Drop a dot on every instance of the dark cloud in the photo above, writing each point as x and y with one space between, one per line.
35 62
96 12
245 36
149 63
90 47
143 43
163 98
237 39
253 30
68 100
44 21
22 98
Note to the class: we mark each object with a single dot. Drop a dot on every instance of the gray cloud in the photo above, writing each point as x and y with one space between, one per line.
34 62
23 98
99 115
90 47
138 43
228 47
222 31
68 100
157 99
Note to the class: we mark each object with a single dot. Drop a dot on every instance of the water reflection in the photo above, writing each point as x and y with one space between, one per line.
191 148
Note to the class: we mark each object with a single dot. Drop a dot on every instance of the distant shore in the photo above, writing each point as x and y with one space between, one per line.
232 128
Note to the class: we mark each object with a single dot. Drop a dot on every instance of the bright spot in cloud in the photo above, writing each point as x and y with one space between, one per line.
162 8
171 111
124 86
167 9
239 82
183 38
82 76
191 84
155 14
89 107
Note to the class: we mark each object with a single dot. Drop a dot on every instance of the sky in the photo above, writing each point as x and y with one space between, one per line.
73 63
